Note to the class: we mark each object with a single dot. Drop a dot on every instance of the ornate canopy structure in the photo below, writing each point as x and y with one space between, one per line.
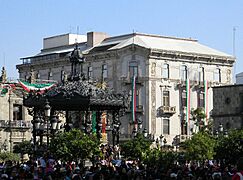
88 99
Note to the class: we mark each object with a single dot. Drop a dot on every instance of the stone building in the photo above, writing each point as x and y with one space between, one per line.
15 123
228 106
172 75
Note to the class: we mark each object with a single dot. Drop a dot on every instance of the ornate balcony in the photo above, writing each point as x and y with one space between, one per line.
166 111
15 125
128 80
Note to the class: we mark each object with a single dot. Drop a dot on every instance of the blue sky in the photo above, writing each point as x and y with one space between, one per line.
24 23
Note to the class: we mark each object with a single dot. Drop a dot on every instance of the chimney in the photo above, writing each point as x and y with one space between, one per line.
94 38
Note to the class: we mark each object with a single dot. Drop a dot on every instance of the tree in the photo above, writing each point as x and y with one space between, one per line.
198 115
9 156
136 148
25 147
200 146
74 146
230 148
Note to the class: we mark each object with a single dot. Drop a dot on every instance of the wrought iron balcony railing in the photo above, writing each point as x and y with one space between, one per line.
167 110
22 124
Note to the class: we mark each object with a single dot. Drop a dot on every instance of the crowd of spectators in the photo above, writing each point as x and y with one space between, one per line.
112 166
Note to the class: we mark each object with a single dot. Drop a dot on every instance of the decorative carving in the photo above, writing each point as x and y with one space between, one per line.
3 77
153 69
153 108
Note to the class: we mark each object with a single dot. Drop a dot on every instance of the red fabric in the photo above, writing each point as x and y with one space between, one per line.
236 176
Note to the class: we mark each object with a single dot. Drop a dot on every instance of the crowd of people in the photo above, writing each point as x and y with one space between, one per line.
111 166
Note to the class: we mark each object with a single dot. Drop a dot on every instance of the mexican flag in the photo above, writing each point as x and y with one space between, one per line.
37 86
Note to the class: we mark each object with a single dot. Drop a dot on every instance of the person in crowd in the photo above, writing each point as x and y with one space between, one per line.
239 173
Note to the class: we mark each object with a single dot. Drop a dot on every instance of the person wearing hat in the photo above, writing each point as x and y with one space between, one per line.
239 174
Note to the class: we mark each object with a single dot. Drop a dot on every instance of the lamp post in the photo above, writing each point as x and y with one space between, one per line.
161 140
148 136
145 133
36 126
47 110
220 131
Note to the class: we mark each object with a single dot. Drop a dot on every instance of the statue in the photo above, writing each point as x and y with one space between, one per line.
31 79
3 77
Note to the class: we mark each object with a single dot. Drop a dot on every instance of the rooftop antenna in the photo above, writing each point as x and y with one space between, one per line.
3 59
234 30
133 33
76 40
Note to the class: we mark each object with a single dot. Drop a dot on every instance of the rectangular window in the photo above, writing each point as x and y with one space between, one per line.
200 102
166 98
166 126
37 75
90 72
133 69
137 98
104 72
17 112
165 71
217 75
184 72
49 75
201 74
62 75
183 98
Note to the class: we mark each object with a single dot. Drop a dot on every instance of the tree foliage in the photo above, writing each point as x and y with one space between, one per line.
230 148
200 146
156 157
136 148
9 156
74 145
25 147
198 115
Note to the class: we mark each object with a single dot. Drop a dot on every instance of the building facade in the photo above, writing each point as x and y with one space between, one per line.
228 106
15 122
167 77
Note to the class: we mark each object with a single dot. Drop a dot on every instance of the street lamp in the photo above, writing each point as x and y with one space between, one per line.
221 128
220 131
161 140
55 124
47 110
145 133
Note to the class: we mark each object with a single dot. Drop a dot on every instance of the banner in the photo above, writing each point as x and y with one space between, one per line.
188 102
93 116
133 104
206 98
103 121
36 87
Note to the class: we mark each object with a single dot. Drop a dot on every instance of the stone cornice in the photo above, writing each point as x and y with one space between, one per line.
190 57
